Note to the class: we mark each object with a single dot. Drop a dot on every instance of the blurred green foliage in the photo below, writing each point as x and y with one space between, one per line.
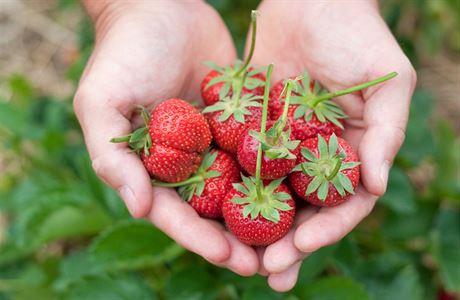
68 236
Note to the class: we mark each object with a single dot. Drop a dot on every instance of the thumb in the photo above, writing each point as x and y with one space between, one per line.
101 120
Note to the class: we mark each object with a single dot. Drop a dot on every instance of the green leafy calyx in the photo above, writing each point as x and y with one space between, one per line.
196 183
139 140
238 109
327 168
268 204
325 110
275 143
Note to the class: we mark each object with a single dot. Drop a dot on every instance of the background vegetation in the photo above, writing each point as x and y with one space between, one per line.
65 235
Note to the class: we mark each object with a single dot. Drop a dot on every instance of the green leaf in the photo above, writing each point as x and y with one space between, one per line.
282 196
345 182
224 90
333 145
300 111
142 245
192 283
248 209
405 285
308 154
215 80
72 221
314 185
400 194
323 190
257 71
121 287
214 66
332 288
445 243
322 147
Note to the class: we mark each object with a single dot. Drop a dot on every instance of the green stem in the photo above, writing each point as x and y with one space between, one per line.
263 126
121 139
336 169
353 89
254 14
194 179
239 90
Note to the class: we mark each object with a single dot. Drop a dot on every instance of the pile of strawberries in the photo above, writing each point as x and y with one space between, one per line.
252 150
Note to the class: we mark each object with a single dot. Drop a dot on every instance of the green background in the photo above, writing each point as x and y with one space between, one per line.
65 235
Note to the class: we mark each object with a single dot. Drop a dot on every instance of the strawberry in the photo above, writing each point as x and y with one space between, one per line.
219 81
222 82
312 111
205 190
227 132
236 110
308 121
259 221
279 150
172 141
327 172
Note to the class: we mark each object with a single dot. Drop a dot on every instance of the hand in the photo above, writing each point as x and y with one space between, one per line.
147 52
341 44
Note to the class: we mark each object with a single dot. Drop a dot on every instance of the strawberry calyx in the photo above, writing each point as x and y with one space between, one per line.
235 106
327 168
318 101
233 76
196 183
139 140
276 141
265 202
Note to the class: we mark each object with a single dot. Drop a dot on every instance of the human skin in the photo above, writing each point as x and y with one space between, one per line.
341 44
146 52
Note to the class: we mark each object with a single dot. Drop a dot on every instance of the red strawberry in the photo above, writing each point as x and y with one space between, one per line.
207 188
170 164
327 172
172 141
228 132
259 222
312 111
211 93
223 82
279 156
310 120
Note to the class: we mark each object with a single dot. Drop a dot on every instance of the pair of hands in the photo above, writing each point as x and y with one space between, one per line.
147 52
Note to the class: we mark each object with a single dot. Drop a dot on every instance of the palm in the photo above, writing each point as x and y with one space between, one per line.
340 48
141 59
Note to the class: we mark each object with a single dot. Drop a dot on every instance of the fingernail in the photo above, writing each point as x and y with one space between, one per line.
384 169
130 200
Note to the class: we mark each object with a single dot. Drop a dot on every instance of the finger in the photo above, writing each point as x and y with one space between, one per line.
385 115
285 281
180 221
260 254
282 254
121 169
243 259
331 224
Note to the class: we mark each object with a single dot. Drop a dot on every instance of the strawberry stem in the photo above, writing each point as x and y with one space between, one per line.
263 126
353 89
254 14
193 179
336 169
285 111
121 139
239 89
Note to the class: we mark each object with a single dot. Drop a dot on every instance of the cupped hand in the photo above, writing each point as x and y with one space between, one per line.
147 52
341 44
